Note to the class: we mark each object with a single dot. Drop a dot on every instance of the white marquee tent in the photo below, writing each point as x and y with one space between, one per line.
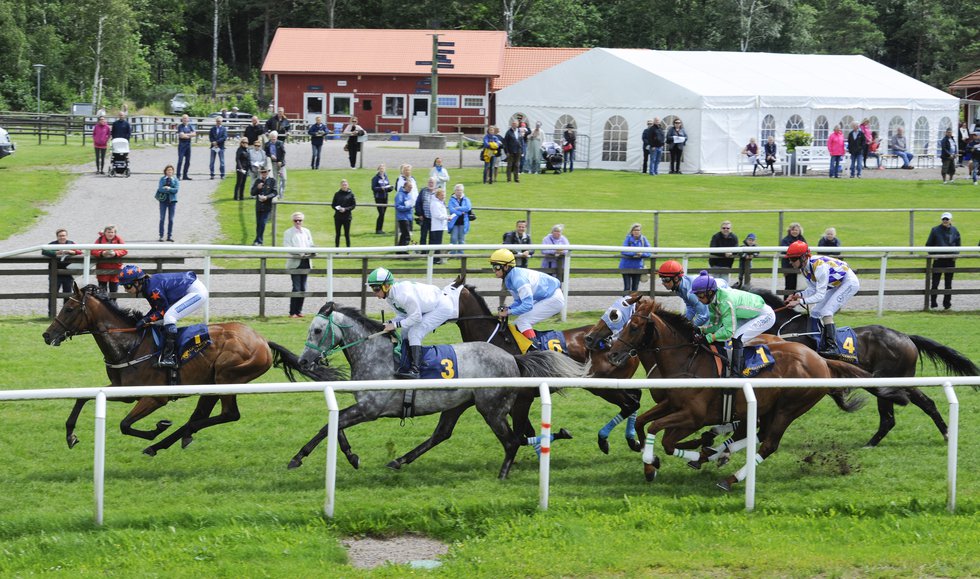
723 99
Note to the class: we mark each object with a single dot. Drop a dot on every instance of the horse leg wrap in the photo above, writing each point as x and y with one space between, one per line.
723 428
687 454
631 427
742 472
648 449
604 433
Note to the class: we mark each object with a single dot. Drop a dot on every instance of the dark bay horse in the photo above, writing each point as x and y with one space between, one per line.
885 353
669 338
369 355
477 323
237 355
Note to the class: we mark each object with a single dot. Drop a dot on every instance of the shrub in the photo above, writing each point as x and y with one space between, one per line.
794 139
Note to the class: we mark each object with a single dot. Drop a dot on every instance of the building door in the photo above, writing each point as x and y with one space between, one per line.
420 114
315 104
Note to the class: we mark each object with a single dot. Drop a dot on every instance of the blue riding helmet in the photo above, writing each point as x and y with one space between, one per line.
704 283
131 273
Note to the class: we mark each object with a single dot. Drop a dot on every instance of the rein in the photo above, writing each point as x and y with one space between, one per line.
334 347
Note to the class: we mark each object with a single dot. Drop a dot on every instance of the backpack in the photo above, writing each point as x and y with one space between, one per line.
419 209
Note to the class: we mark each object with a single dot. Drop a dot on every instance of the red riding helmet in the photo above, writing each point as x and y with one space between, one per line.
670 268
798 249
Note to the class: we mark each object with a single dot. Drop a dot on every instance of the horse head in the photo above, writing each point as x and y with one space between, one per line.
320 340
598 338
73 319
639 332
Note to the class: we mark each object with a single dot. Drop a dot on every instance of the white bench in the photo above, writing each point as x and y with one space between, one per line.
743 164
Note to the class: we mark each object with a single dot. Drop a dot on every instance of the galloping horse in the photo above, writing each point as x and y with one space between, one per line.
237 355
369 355
885 353
669 338
478 324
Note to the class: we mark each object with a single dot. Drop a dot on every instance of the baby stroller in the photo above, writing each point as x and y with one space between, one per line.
119 165
551 151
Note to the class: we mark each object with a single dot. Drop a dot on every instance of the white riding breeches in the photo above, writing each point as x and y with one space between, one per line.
757 325
197 296
430 321
836 298
541 310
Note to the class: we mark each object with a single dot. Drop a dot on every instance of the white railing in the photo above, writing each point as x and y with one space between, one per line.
330 388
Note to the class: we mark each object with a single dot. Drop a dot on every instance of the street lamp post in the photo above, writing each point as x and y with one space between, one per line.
38 68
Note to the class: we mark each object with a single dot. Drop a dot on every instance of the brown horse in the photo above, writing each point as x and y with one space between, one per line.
477 323
237 355
670 338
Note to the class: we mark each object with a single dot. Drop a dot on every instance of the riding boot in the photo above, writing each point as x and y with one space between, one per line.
414 359
737 363
168 357
829 340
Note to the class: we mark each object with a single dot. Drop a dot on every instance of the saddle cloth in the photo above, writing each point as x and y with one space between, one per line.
847 345
191 341
757 359
438 362
543 340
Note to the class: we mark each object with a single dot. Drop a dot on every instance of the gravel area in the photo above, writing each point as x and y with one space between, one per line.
416 551
94 201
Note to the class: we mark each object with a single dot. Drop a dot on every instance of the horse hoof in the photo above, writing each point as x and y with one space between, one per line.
150 451
723 459
295 463
603 444
634 444
393 465
163 425
563 435
945 437
72 441
355 461
695 464
727 483
185 442
649 472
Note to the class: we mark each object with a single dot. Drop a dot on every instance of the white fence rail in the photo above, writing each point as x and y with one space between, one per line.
330 388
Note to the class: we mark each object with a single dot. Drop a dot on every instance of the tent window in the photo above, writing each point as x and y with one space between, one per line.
894 124
845 123
615 134
874 125
560 127
920 139
821 130
795 123
944 123
768 127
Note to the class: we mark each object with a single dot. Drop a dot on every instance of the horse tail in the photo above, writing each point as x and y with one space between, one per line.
841 369
283 358
548 364
847 399
945 357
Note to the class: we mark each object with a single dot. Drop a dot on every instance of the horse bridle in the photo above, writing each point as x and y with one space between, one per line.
69 333
334 347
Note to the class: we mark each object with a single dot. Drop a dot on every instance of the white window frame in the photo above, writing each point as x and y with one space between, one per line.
464 105
350 96
384 105
453 105
615 139
821 132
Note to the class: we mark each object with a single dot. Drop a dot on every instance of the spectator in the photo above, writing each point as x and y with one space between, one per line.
552 258
439 173
403 211
522 133
874 150
343 206
275 151
280 124
101 133
751 152
633 259
769 151
354 133
899 147
793 233
63 259
317 131
109 281
491 149
264 190
943 235
422 213
948 148
568 149
217 137
535 141
254 131
459 216
242 166
298 236
512 147
498 154
121 129
971 154
439 220
185 133
645 137
657 140
677 139
381 188
745 263
836 148
405 174
166 196
257 159
855 148
725 237
829 239
866 129
519 236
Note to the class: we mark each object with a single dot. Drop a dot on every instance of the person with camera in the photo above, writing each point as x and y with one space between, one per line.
166 196
381 187
343 204
264 190
317 131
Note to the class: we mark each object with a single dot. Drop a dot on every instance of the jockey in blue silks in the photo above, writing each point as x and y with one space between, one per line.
537 296
172 296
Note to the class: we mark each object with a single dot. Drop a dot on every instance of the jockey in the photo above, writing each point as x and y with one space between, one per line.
673 279
831 283
734 314
419 309
537 296
172 296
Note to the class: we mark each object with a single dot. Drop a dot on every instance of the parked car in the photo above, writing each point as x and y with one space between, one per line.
6 145
179 103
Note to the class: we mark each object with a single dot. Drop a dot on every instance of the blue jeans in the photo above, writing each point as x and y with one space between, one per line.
656 153
835 165
221 157
904 156
167 208
568 161
299 285
857 161
315 160
457 236
488 170
183 159
261 217
976 166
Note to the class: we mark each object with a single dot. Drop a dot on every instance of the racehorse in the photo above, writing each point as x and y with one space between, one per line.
885 353
670 339
238 354
477 323
369 354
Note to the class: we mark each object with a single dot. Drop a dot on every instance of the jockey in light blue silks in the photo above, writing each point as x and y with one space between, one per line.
537 296
673 279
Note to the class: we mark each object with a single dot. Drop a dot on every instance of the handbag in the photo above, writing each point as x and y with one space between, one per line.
161 195
566 147
472 215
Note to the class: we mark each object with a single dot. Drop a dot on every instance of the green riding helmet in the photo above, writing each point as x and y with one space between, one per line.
379 277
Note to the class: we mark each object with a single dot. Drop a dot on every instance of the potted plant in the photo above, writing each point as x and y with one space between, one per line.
792 140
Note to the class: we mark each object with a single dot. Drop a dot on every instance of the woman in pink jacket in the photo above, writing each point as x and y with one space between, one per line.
836 148
100 138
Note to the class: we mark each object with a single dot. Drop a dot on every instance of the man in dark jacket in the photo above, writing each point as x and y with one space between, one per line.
947 150
943 235
723 238
121 128
856 142
512 148
646 145
264 191
275 150
519 237
657 140
254 131
279 124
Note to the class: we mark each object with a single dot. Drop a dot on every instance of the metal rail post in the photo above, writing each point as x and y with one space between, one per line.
333 412
954 435
881 284
751 418
207 284
99 468
544 462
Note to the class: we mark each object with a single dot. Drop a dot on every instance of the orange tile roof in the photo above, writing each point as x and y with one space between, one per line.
374 51
971 80
521 63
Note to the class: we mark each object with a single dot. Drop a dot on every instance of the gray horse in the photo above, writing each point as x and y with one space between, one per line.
369 354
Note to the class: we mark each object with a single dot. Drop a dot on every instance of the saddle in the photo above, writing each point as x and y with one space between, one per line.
544 340
191 341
